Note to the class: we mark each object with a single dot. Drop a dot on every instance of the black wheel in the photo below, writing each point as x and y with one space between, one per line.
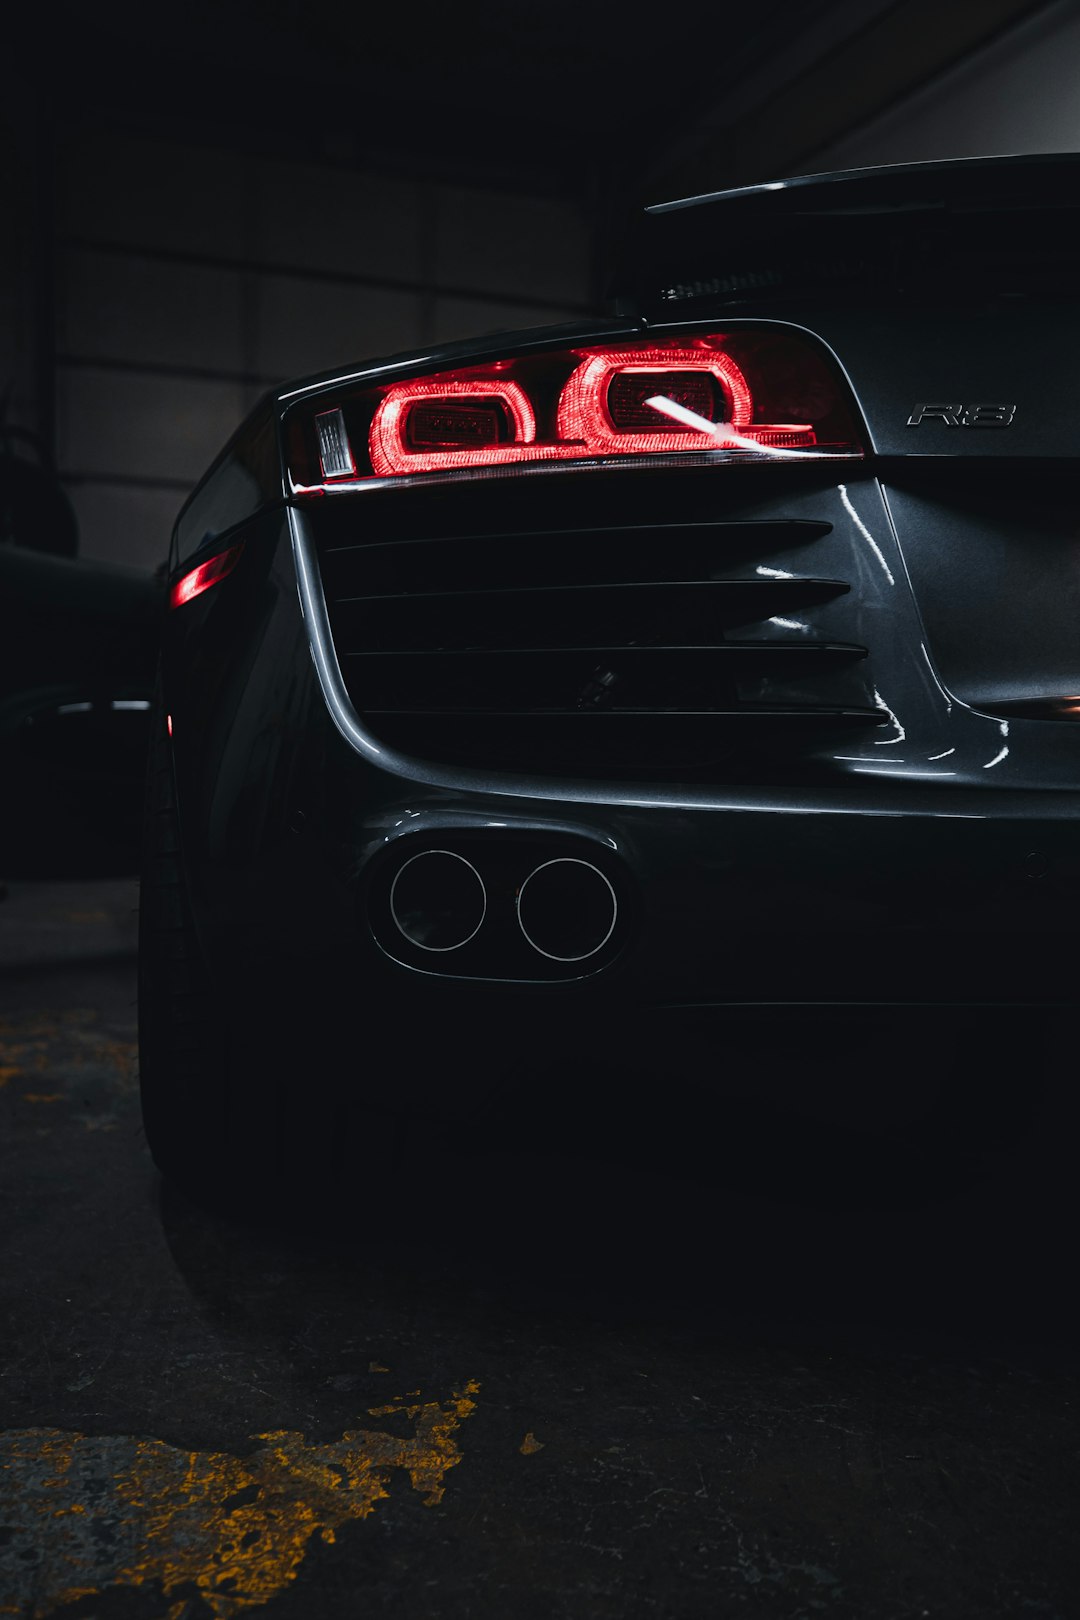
249 1103
183 1033
213 1066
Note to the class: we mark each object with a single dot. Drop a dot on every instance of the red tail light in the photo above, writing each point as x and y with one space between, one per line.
605 403
197 580
451 421
754 394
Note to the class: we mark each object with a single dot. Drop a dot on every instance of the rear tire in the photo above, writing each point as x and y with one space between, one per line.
183 1034
249 1105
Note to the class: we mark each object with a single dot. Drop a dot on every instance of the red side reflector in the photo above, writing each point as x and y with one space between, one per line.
200 579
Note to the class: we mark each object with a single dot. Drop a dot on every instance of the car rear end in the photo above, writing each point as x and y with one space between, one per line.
557 697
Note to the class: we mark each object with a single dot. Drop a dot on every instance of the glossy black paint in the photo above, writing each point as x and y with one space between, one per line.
924 853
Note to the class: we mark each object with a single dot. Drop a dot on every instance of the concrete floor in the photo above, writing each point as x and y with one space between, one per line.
646 1395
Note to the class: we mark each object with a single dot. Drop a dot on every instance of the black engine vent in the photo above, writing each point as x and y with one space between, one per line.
637 649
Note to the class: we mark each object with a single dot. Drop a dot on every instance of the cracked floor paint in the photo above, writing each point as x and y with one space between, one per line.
83 1513
67 1057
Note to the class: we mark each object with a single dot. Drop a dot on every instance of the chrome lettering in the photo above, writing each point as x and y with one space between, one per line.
989 415
949 414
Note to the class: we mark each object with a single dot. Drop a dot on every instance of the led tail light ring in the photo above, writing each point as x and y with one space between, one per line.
585 414
388 440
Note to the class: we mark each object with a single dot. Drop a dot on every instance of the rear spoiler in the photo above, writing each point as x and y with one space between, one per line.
810 232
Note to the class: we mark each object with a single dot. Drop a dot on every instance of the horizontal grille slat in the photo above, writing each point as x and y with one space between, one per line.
725 651
683 611
587 677
630 553
744 713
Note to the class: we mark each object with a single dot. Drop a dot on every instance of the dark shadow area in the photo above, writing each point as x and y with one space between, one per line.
644 1353
78 648
651 1197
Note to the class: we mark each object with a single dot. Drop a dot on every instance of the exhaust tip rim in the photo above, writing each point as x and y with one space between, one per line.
568 860
420 945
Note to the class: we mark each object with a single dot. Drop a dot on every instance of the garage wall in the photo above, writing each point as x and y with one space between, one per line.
18 282
1019 94
190 279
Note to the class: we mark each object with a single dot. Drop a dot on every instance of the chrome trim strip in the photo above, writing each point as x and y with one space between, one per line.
753 456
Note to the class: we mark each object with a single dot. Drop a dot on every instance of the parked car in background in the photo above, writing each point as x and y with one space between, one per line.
532 708
78 650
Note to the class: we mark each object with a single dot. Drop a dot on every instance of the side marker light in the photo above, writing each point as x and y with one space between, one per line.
335 452
200 579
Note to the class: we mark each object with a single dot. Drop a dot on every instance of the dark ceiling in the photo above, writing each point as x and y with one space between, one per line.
577 99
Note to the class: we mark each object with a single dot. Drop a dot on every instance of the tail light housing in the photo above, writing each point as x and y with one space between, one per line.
745 395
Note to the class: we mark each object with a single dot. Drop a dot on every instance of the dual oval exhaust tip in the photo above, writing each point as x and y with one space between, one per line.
566 908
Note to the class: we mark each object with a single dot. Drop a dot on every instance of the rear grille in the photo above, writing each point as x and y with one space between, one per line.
654 649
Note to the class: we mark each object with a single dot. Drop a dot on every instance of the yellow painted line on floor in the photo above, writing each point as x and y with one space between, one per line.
65 1039
235 1529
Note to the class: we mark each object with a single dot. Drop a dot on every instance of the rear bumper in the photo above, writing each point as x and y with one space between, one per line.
859 892
737 903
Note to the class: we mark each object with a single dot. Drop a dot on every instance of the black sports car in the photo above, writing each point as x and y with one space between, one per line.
530 705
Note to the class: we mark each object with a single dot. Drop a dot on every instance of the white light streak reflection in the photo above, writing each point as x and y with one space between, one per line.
887 768
997 759
889 742
773 573
945 755
933 675
724 430
789 624
865 532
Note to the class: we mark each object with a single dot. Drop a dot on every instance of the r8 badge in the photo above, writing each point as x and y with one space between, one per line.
964 415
